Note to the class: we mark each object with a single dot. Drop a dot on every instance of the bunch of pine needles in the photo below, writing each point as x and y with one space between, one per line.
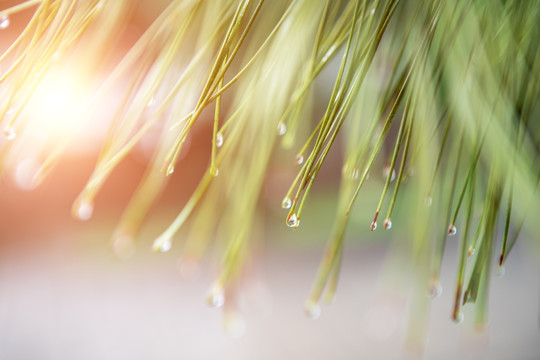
451 88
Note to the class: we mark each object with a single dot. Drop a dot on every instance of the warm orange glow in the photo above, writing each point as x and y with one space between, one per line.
56 106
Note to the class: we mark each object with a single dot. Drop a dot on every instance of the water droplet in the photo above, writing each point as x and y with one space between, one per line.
282 129
372 11
9 133
373 226
355 174
162 243
387 224
85 211
216 297
152 102
428 201
165 246
471 251
458 319
286 203
214 171
313 310
500 271
170 170
299 159
4 21
292 221
386 172
452 230
25 173
435 289
219 139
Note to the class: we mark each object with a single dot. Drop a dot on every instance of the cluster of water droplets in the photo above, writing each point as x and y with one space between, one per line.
292 220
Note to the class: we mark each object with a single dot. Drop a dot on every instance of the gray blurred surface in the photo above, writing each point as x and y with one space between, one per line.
69 298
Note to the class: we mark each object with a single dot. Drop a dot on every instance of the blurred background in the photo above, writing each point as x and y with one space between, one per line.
64 295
